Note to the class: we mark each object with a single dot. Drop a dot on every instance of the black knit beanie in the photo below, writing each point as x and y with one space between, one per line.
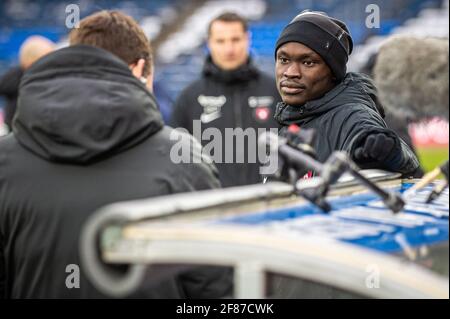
328 37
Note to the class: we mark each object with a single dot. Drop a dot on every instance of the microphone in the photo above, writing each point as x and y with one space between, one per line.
294 152
412 77
295 160
291 165
338 163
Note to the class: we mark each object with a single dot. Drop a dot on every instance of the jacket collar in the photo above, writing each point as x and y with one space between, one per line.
353 86
244 73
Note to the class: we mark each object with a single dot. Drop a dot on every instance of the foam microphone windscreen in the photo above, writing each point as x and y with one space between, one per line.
412 77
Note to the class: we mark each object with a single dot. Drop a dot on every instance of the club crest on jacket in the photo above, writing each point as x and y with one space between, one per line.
212 106
261 106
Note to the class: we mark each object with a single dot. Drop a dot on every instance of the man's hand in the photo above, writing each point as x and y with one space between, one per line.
377 147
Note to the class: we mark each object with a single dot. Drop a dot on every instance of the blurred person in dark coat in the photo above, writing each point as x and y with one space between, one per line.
34 48
231 93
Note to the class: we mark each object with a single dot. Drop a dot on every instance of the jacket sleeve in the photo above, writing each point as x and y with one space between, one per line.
359 126
181 115
198 173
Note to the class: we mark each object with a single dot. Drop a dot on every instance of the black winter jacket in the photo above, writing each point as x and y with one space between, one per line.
9 88
87 133
343 118
242 98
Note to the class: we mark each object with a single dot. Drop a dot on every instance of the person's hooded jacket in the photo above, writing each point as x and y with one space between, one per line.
9 89
87 133
343 118
229 99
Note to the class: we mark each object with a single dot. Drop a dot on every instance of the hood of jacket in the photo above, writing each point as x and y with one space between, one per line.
355 88
80 104
245 72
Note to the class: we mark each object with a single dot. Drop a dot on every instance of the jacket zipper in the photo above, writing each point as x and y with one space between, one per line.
238 123
237 109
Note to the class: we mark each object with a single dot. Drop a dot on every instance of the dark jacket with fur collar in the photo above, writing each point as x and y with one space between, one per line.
343 118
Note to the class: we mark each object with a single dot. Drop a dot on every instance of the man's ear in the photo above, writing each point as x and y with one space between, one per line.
138 71
138 68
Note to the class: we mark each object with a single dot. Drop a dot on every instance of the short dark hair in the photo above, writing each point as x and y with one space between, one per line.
116 33
229 17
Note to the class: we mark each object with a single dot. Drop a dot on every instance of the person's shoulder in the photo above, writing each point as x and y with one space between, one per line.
356 94
174 151
185 101
170 135
356 110
8 144
193 88
348 110
185 153
170 140
15 72
9 81
356 117
359 87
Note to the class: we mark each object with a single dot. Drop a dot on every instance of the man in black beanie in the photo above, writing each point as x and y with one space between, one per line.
311 55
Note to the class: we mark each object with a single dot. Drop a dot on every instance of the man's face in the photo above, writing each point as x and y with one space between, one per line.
228 44
301 74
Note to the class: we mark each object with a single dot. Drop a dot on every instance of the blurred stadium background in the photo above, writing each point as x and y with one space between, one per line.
177 29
